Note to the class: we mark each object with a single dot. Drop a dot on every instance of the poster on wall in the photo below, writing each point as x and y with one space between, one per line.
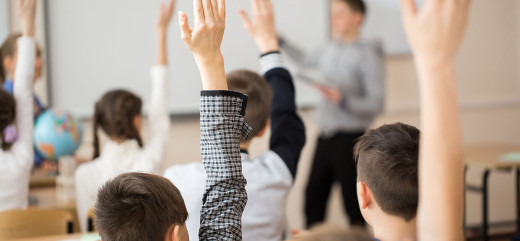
4 19
383 21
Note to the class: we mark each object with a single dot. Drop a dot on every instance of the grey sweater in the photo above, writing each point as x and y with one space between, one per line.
357 70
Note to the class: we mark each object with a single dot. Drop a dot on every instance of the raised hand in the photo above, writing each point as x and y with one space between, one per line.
27 14
435 31
204 41
163 20
165 15
262 26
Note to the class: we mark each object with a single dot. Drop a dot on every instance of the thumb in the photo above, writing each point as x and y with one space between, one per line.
185 27
245 19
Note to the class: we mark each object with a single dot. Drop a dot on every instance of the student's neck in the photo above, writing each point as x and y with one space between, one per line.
350 37
392 228
245 145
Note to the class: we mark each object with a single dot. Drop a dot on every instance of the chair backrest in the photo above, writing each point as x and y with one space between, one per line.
34 222
91 217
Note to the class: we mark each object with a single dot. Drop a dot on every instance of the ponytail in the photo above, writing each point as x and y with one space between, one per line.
95 132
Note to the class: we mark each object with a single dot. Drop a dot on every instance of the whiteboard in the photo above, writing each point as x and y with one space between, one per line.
4 20
383 21
98 45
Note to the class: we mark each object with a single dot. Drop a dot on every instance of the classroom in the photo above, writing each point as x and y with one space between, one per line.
260 120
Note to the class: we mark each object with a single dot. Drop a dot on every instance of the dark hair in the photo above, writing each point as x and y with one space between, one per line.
115 113
8 49
387 161
7 115
260 97
138 206
357 6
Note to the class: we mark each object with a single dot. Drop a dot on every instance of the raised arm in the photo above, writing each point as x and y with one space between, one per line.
435 33
23 148
158 115
287 129
222 126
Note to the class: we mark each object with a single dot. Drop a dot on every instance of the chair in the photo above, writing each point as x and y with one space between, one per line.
90 221
34 222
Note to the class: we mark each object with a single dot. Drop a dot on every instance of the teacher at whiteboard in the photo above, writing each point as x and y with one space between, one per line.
353 93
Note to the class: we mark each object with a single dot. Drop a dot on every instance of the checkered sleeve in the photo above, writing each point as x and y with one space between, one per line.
222 127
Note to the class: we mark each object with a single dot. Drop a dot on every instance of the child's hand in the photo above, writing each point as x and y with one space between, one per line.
329 93
165 15
205 38
261 27
204 41
435 32
27 14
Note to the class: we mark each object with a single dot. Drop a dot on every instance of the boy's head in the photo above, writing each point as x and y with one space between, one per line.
137 206
346 16
7 118
387 163
260 98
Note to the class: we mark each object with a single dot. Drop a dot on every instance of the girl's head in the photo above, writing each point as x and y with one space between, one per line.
118 114
7 117
346 16
8 56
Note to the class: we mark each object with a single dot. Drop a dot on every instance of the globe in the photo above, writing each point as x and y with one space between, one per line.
56 134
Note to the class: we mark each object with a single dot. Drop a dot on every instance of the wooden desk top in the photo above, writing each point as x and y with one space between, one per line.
70 237
489 155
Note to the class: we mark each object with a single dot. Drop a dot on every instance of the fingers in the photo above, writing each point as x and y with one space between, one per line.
198 11
255 7
185 27
222 9
214 6
245 19
208 11
409 10
171 6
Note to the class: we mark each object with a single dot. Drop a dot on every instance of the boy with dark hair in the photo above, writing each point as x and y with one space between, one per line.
270 176
353 68
128 206
387 188
222 128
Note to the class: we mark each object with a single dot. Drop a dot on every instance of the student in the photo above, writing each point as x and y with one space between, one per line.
16 118
118 114
269 176
138 206
434 33
386 156
8 56
388 191
353 68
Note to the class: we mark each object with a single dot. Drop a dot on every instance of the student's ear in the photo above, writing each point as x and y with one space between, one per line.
171 235
264 130
364 195
138 122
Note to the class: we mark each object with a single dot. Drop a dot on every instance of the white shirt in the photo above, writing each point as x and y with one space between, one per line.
268 184
16 164
118 158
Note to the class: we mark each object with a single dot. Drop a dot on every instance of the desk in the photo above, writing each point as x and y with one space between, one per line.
487 156
53 238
